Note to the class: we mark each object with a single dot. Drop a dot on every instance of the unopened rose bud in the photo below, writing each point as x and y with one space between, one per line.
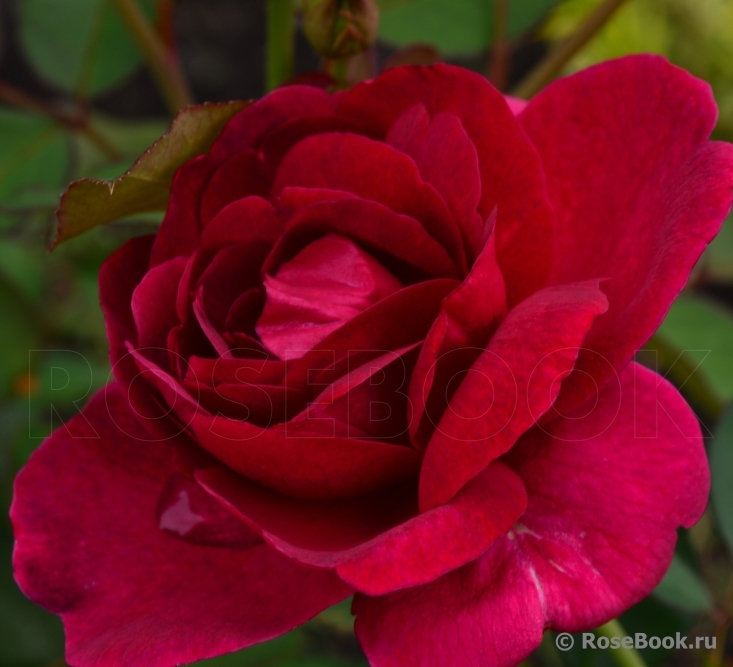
340 28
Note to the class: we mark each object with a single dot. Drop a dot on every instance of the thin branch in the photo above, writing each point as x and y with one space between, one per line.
78 122
499 65
623 657
550 67
164 68
280 37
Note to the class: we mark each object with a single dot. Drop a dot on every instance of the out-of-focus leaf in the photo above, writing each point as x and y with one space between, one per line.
718 258
22 267
454 27
703 330
636 27
130 138
81 46
145 186
721 465
29 636
682 588
337 618
17 333
274 652
696 35
33 150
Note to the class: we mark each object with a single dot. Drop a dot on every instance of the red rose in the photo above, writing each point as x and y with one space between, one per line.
382 344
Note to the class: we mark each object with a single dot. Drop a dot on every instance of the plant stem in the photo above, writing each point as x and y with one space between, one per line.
279 60
623 657
163 66
73 122
550 67
500 52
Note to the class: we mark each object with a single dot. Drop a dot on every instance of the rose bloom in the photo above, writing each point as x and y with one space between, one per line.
382 346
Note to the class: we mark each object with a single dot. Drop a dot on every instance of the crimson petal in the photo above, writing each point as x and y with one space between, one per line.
511 175
125 588
608 487
349 537
512 384
638 192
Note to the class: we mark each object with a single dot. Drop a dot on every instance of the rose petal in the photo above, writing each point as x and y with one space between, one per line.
381 230
253 371
125 588
180 230
279 141
447 160
242 175
607 491
468 317
510 386
251 125
638 191
346 535
370 170
248 220
307 465
369 396
486 613
397 321
324 286
511 175
118 278
189 513
154 302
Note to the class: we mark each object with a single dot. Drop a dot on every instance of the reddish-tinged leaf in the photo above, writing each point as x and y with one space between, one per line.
144 187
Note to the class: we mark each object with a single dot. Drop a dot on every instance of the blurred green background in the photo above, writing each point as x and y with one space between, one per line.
77 100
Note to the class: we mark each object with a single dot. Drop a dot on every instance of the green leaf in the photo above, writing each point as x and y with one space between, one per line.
682 588
274 652
81 46
456 28
146 185
718 258
33 151
721 465
18 332
703 330
29 636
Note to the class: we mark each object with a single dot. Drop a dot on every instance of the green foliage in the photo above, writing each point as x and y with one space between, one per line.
721 465
81 46
29 636
683 589
703 330
33 152
718 259
456 28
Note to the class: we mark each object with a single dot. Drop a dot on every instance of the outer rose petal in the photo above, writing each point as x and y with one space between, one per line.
638 192
129 593
606 494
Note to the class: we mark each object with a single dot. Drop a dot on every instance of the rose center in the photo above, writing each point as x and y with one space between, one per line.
325 285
